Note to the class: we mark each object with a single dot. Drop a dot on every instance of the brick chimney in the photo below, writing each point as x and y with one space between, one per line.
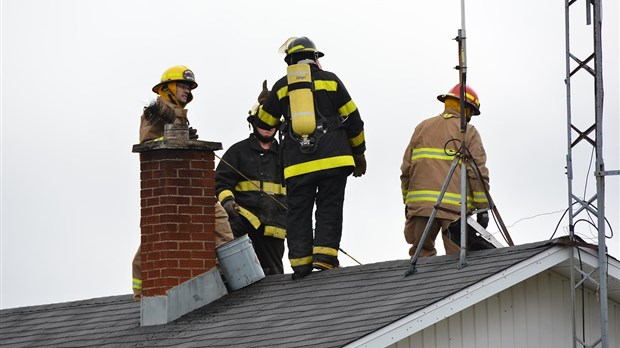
177 198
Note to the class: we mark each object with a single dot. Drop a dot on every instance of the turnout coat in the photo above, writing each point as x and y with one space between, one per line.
427 161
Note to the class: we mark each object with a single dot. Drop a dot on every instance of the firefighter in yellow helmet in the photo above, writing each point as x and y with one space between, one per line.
425 167
174 93
323 144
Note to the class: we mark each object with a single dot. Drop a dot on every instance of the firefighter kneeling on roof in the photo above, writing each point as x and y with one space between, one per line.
425 167
323 144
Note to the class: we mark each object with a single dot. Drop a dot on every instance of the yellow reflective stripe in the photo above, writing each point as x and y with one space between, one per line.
447 115
434 153
274 188
254 185
136 283
159 139
267 117
432 196
225 194
356 141
250 217
325 251
274 231
327 85
324 265
282 92
320 164
301 261
480 197
472 98
347 109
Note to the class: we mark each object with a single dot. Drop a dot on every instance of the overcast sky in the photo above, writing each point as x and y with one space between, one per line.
76 74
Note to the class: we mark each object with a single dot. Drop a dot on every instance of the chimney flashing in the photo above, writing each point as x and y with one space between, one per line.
182 299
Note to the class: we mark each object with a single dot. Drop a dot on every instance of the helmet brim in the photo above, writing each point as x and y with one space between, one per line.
193 84
475 110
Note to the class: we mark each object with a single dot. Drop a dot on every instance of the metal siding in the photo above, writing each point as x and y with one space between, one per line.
441 328
557 313
494 326
520 311
506 321
469 328
482 330
532 318
544 309
534 313
428 337
614 323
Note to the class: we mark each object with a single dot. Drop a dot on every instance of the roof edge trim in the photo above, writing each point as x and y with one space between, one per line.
458 301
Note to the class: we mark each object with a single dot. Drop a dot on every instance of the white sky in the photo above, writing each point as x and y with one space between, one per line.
76 74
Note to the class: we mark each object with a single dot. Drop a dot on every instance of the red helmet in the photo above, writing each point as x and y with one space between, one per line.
470 96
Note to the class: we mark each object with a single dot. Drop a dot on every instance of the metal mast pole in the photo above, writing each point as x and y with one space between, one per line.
596 204
463 82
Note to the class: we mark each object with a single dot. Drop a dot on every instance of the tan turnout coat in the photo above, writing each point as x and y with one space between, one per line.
426 165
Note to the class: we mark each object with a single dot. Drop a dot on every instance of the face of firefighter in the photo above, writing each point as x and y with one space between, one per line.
183 91
266 133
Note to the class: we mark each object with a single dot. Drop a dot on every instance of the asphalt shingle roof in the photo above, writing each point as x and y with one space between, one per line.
326 309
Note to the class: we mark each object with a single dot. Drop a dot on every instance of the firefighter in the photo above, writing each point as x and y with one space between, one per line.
174 92
323 143
248 184
425 167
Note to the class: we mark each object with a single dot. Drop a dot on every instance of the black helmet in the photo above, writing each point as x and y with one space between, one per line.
300 45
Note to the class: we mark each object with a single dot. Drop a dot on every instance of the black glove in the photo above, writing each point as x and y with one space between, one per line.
193 133
360 165
483 219
231 207
157 113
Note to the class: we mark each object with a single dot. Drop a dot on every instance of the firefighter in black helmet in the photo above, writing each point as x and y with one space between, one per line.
323 144
248 185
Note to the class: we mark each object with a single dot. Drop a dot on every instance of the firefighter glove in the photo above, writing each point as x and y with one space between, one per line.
264 93
231 207
483 219
360 165
157 113
193 133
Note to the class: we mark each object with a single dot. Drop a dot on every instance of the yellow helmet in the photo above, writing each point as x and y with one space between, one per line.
177 73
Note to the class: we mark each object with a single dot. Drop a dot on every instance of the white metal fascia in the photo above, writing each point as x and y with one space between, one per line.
591 258
463 299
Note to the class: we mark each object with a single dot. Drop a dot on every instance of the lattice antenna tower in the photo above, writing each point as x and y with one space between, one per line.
578 137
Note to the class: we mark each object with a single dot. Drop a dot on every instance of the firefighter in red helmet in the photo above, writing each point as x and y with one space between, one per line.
425 167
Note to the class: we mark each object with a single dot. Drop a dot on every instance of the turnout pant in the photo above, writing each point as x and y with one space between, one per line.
269 250
318 250
414 228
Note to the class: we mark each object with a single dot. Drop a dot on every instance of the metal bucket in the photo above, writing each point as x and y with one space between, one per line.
239 263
